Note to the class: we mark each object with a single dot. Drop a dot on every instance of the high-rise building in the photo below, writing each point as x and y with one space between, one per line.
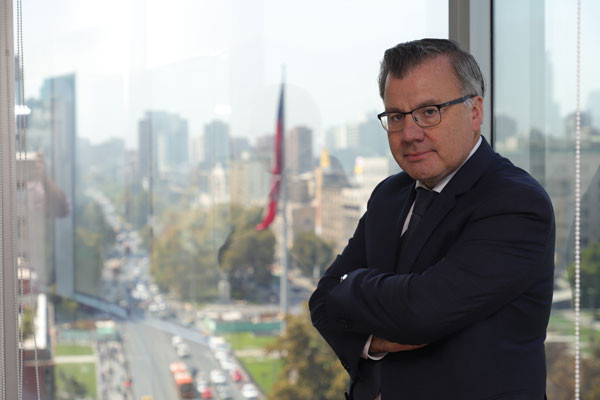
197 150
336 138
372 138
162 137
239 147
53 134
216 144
46 183
250 182
264 147
298 150
330 181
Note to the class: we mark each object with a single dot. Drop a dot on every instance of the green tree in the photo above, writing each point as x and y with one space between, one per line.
189 246
136 206
93 236
311 370
590 276
311 251
560 361
183 259
249 253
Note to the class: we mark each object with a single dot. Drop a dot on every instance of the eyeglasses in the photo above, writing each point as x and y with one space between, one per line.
425 117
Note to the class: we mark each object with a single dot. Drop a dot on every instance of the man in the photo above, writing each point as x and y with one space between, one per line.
451 301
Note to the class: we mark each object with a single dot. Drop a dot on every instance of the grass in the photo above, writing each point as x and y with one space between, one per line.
590 335
264 371
563 323
76 380
247 340
64 349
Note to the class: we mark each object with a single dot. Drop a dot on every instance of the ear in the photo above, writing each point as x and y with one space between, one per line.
477 113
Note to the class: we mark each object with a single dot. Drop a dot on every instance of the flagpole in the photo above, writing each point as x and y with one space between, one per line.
283 283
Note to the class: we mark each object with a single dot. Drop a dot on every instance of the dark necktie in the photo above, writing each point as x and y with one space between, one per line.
422 202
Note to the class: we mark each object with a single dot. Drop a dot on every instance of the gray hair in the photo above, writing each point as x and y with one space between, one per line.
403 58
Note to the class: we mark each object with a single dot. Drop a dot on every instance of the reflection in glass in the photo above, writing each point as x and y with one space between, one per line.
534 125
155 126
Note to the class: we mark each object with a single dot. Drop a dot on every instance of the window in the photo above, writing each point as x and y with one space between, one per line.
534 123
149 144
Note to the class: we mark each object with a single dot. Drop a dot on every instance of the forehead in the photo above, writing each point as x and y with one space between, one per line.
433 80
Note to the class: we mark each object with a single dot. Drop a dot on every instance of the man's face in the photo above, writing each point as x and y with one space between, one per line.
431 154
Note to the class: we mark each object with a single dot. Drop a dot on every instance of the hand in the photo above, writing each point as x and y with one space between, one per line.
379 345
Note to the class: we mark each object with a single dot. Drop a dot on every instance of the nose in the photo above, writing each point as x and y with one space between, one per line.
412 131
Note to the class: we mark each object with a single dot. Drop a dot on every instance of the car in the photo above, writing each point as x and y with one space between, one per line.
249 391
206 393
224 392
183 350
176 341
227 364
217 377
154 289
236 375
201 383
221 355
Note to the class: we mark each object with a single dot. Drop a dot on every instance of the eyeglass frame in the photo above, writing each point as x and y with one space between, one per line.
438 106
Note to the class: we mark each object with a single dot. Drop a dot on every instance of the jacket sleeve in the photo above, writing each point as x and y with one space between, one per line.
347 345
504 249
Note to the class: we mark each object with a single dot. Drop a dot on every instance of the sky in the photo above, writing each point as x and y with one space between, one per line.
208 59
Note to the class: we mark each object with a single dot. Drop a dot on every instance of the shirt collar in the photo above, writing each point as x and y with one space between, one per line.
442 184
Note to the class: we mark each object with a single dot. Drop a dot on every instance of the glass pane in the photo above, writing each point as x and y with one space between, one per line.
534 121
150 129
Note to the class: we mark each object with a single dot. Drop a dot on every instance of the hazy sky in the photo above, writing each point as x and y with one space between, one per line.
206 59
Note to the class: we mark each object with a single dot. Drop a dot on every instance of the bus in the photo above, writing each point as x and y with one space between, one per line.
183 380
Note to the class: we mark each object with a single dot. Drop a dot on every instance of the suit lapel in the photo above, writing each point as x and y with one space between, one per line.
434 215
408 192
464 179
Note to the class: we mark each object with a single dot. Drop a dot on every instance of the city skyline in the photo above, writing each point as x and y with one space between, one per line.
148 57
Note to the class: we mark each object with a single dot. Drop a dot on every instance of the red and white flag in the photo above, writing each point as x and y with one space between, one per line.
277 171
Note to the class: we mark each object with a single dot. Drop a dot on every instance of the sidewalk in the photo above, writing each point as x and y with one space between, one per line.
113 378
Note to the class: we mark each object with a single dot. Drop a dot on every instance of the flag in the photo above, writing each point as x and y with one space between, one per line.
277 171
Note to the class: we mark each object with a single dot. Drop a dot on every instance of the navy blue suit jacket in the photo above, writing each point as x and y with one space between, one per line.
475 285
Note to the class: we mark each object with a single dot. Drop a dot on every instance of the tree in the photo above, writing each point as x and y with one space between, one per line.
561 364
590 276
311 251
189 246
311 370
93 235
183 259
249 254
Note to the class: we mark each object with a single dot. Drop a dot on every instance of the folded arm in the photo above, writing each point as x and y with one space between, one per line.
499 254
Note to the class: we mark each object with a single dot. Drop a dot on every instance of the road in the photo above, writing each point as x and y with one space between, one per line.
147 346
146 334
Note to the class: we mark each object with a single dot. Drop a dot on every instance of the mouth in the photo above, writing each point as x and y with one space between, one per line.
417 155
